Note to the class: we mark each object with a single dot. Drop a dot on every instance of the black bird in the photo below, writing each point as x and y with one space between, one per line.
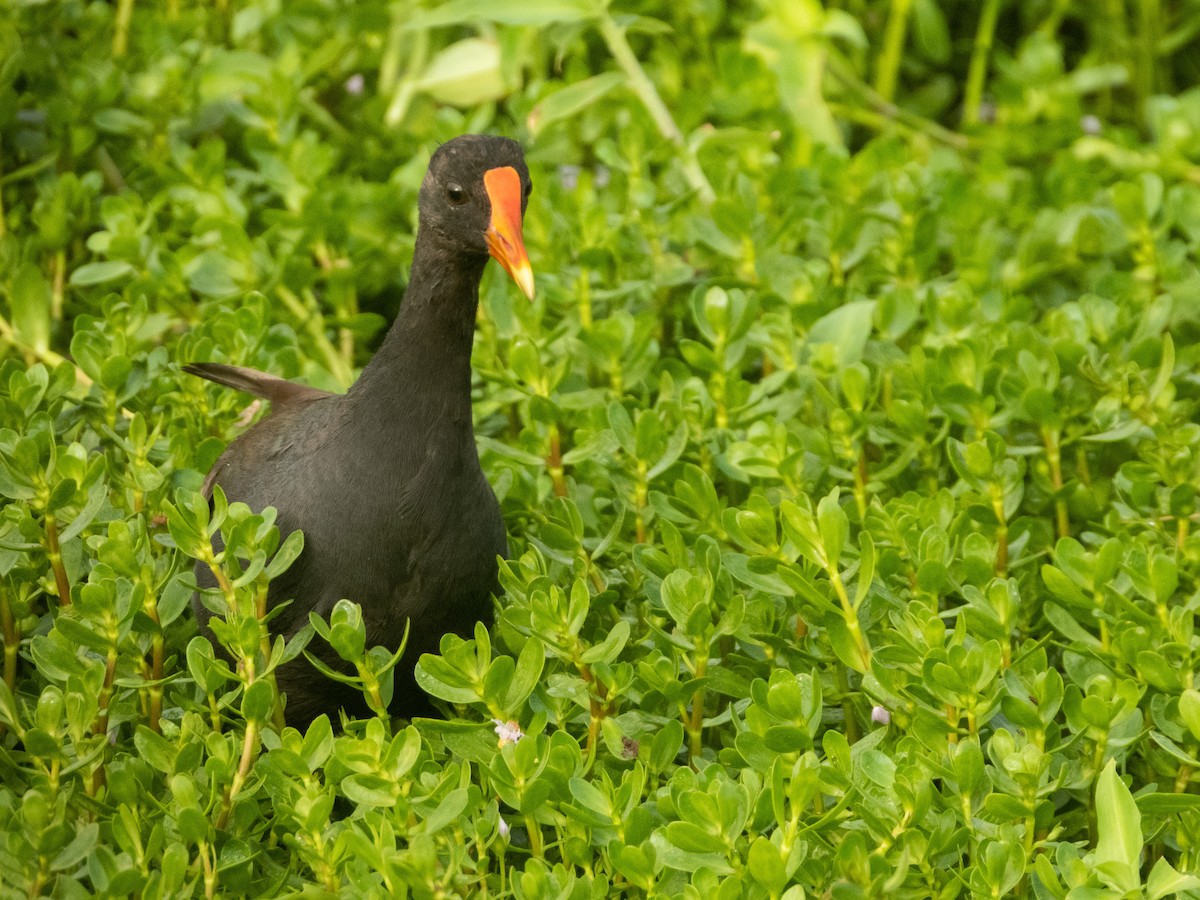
385 480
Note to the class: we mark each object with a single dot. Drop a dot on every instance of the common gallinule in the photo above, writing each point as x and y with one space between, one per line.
385 480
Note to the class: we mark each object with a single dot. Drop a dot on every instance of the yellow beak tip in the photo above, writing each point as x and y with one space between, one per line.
524 279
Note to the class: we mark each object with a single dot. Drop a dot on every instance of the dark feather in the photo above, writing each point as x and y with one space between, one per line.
252 381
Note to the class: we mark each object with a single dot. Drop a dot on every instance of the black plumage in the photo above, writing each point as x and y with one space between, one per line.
385 480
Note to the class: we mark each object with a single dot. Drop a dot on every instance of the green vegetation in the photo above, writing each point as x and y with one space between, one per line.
849 453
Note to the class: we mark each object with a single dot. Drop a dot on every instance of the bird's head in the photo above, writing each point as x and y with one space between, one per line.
474 198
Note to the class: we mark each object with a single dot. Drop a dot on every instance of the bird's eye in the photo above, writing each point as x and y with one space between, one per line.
455 194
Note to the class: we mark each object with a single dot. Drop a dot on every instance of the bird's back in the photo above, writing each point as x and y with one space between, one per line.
416 541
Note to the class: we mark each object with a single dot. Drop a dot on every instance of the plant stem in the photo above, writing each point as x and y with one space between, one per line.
554 463
861 478
584 290
641 494
100 726
54 553
618 46
718 387
57 285
214 713
535 836
210 870
889 111
1050 438
249 743
597 703
406 89
12 638
1145 79
42 354
1001 530
314 323
260 610
850 615
850 725
888 69
121 35
222 581
1182 777
154 707
985 34
695 724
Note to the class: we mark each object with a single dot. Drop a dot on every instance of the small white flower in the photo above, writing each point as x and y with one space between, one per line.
504 828
509 732
881 715
355 84
1090 124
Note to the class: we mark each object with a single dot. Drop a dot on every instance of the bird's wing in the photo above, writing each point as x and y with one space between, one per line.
260 384
287 399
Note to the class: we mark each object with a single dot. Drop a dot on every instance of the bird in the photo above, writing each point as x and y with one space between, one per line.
384 480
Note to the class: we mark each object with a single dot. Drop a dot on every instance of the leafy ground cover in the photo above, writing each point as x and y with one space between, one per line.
849 453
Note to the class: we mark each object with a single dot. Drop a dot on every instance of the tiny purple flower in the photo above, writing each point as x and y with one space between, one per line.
880 715
568 177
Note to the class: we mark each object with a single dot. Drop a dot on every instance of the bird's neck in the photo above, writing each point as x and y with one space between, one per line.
420 379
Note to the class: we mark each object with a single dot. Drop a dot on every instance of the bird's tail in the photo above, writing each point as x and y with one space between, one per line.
252 381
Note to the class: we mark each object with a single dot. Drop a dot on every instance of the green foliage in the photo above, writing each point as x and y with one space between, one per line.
849 452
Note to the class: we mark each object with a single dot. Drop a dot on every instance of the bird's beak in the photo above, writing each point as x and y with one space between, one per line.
503 236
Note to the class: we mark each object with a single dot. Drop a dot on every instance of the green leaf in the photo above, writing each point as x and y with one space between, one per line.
437 677
686 597
96 498
100 273
29 295
590 797
834 526
969 767
573 99
155 749
447 811
465 74
693 838
1120 829
370 791
505 12
258 701
766 865
610 648
121 121
525 677
666 745
930 31
1189 711
866 568
1164 881
847 329
289 551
